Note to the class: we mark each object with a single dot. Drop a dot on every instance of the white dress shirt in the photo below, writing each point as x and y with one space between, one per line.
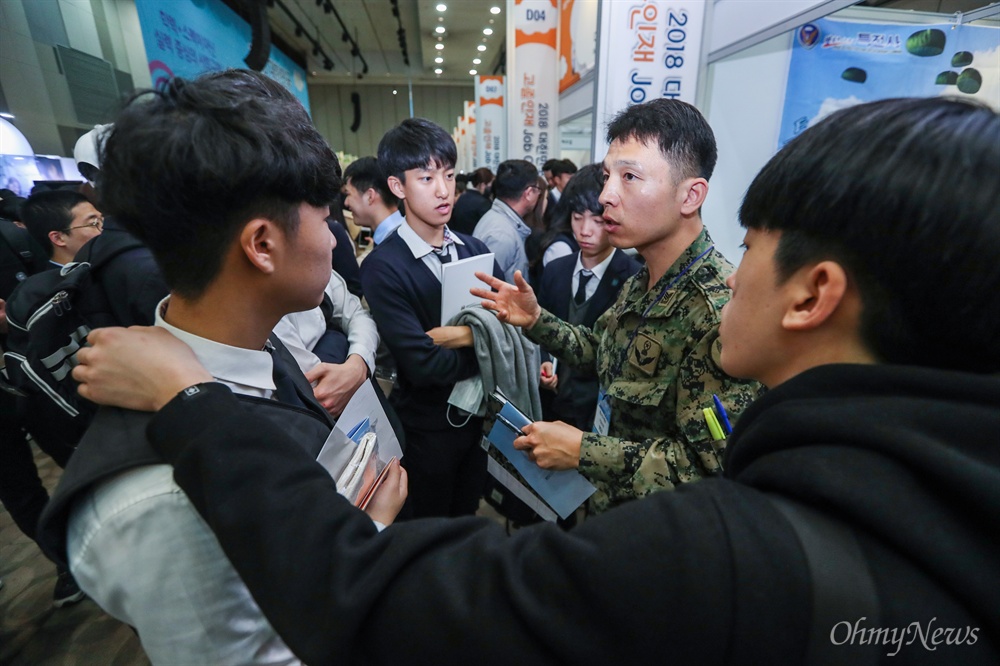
300 331
421 249
598 272
139 549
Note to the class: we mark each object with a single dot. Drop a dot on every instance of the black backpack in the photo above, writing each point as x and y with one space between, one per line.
49 317
20 257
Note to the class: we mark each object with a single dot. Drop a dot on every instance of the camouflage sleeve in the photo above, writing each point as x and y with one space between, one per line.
638 468
576 345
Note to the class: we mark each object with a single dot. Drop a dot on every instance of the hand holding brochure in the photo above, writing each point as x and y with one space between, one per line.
563 491
360 447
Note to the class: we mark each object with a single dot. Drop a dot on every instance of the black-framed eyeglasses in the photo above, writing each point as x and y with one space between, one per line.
97 224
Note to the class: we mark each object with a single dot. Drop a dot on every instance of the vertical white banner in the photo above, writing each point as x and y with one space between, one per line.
532 80
648 49
460 165
491 122
471 156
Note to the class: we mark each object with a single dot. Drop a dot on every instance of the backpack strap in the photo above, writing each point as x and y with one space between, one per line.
17 239
119 242
842 585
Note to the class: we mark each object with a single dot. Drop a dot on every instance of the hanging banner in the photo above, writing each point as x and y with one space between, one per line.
491 122
577 40
189 38
471 155
648 49
837 64
460 140
532 81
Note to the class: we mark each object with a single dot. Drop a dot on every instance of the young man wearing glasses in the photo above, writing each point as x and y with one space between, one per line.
502 228
62 222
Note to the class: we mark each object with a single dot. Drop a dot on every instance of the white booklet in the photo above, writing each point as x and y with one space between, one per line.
457 278
362 441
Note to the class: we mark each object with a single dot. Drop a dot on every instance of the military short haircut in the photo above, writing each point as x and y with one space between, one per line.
677 128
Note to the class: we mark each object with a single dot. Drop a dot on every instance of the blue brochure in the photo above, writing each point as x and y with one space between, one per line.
564 490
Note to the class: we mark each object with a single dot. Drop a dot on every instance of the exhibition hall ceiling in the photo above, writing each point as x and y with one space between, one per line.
444 39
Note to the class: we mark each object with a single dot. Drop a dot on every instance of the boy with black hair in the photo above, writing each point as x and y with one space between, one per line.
367 195
61 221
851 525
502 228
578 288
226 180
562 171
402 282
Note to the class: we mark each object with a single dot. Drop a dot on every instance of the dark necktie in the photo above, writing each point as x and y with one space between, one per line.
442 253
284 386
581 288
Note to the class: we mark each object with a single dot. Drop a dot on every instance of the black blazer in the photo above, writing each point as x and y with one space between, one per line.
576 398
556 288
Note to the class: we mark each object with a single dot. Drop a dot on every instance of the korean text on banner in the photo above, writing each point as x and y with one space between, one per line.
491 122
533 81
648 49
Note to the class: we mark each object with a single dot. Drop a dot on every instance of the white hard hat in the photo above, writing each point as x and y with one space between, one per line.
86 148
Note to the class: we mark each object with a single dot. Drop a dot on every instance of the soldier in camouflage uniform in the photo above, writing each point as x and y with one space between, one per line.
656 350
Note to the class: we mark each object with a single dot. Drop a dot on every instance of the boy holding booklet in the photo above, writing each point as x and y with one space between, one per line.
402 282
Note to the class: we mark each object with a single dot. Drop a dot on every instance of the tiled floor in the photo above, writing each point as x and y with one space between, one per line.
32 631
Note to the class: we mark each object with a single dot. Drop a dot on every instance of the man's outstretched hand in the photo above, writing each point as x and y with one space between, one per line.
514 304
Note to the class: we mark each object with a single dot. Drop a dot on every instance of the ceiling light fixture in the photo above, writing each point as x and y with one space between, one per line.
487 31
439 46
473 72
494 10
439 60
438 70
477 61
441 7
481 47
439 30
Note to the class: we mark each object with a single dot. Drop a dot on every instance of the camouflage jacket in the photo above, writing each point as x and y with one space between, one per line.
658 384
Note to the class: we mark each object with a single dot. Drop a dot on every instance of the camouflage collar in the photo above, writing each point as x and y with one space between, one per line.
638 298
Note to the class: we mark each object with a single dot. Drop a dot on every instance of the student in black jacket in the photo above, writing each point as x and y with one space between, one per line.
853 523
578 289
402 282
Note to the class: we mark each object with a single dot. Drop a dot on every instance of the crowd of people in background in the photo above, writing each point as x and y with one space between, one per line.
191 507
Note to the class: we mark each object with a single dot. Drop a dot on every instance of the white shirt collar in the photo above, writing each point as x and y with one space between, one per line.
244 371
597 270
418 246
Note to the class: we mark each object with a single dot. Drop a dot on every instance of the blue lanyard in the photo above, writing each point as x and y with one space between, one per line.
663 293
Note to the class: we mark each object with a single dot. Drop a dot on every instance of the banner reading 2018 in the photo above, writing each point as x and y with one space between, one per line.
491 130
532 80
648 49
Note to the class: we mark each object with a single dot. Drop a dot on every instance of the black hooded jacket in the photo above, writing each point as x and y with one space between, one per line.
712 573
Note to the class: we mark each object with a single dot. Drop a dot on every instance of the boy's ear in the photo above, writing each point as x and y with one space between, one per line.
694 191
396 187
815 294
259 240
